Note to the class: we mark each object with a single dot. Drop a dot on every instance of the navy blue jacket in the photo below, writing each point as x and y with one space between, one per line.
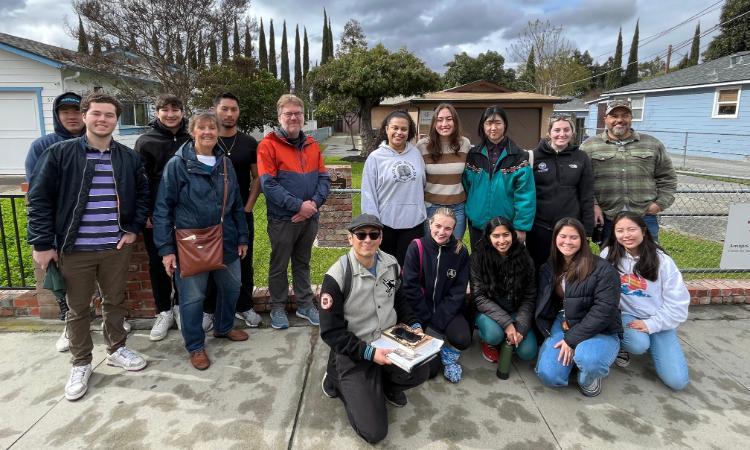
43 143
437 294
59 193
190 197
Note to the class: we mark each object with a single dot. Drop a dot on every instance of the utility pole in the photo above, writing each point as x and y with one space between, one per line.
669 59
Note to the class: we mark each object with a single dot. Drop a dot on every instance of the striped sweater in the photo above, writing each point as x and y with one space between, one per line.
444 177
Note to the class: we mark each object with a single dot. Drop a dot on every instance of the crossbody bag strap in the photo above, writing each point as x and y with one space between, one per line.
226 185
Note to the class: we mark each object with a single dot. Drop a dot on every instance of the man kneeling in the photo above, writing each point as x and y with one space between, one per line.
366 280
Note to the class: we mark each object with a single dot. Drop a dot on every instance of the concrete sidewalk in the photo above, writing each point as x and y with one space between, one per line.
265 393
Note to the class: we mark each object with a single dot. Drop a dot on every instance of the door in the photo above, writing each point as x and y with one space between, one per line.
20 125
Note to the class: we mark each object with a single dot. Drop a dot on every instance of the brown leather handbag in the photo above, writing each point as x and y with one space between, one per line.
201 250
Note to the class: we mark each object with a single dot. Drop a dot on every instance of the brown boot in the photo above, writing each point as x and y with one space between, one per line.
233 335
199 359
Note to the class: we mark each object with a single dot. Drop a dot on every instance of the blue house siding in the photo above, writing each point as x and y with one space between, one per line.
670 115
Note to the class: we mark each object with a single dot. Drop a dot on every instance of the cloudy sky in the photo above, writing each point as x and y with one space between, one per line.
437 29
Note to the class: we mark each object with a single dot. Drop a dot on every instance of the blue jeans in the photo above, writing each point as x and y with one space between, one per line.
458 208
592 356
492 333
193 293
666 352
652 223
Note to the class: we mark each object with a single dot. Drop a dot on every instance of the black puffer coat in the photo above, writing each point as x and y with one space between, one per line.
591 306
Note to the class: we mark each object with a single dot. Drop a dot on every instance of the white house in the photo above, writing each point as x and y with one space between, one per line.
32 74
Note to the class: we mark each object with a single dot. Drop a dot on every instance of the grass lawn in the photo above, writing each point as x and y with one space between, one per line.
687 251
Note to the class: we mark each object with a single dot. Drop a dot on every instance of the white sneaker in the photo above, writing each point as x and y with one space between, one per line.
163 323
126 325
78 383
252 319
63 343
208 322
176 312
127 359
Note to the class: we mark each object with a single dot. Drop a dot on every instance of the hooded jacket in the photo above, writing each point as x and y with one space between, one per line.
62 180
564 186
190 197
43 143
156 147
507 189
437 292
290 175
590 306
393 186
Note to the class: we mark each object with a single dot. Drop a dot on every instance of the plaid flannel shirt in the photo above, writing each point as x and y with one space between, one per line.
630 174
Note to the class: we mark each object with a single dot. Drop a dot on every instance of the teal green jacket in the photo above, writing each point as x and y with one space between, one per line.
507 189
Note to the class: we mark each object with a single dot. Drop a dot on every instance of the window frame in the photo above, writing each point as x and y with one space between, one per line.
717 93
630 99
133 105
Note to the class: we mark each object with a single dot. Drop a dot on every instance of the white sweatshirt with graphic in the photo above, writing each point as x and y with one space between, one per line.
661 304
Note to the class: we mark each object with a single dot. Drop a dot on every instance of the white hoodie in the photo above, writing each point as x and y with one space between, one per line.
393 186
661 304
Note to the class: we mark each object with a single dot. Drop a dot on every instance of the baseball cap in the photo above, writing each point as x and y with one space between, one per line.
69 99
365 220
618 104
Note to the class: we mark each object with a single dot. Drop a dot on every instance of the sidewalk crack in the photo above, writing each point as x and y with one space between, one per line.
308 364
536 405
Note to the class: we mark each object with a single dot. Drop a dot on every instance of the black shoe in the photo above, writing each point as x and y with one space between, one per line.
397 399
593 389
623 359
329 390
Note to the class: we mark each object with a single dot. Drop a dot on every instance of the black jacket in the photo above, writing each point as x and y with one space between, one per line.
564 186
156 147
500 308
437 293
591 306
58 196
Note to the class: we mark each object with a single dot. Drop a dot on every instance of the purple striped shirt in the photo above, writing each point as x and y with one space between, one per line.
99 228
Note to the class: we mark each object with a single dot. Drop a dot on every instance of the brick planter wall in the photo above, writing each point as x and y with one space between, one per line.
336 213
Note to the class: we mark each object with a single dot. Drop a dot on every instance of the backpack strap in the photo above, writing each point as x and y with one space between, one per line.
531 158
347 278
421 258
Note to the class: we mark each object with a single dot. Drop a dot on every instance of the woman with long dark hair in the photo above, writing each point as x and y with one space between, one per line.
444 151
498 179
393 182
503 291
577 311
564 185
653 298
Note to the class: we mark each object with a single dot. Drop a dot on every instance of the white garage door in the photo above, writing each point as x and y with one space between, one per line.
19 126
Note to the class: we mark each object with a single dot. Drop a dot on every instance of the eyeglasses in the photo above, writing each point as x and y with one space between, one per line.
289 115
361 235
561 116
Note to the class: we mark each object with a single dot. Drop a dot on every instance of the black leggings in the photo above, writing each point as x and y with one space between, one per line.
396 241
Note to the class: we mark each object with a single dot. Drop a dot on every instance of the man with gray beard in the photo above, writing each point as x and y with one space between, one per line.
632 171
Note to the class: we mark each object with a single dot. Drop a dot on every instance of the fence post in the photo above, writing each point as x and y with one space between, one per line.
684 151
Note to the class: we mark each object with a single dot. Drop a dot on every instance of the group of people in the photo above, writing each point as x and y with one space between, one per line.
90 196
536 288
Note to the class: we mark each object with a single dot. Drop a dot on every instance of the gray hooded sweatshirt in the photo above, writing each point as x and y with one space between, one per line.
393 186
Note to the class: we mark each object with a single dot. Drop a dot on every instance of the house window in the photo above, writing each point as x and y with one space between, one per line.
637 103
726 103
134 115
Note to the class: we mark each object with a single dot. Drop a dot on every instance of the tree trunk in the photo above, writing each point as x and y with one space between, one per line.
369 136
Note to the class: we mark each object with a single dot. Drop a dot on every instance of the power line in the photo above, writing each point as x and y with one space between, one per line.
676 47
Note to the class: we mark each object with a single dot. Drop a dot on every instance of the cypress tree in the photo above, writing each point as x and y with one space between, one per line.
272 52
614 77
285 59
297 62
324 44
305 57
236 49
224 44
179 55
248 43
201 51
96 48
529 72
262 52
696 47
83 42
631 71
213 58
169 54
330 40
192 59
155 44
